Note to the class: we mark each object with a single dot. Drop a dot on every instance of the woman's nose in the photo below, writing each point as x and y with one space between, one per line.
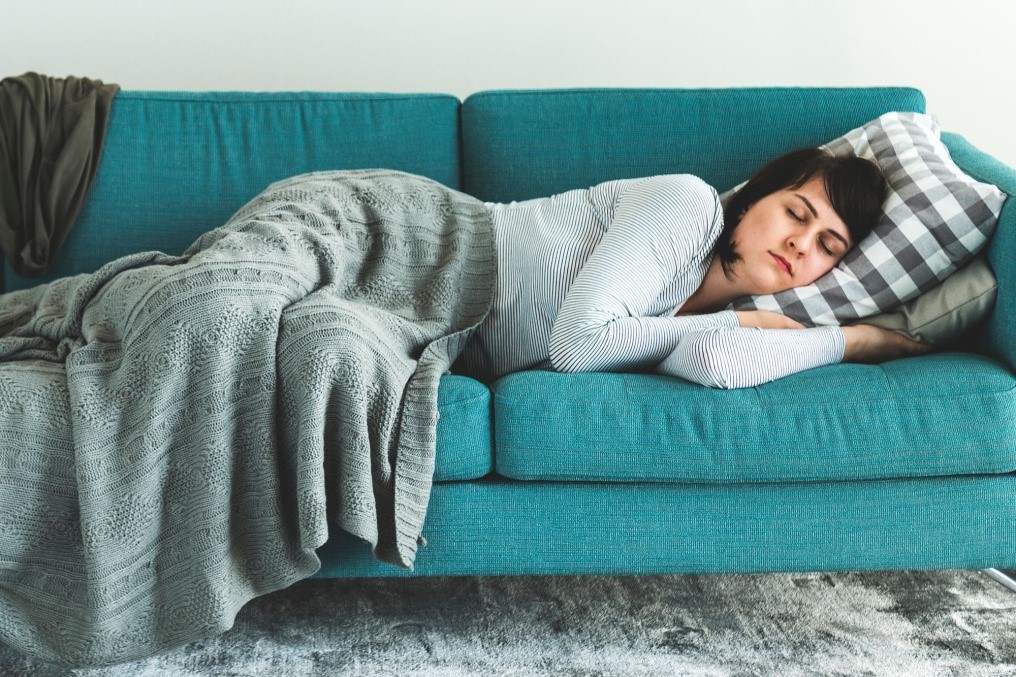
798 244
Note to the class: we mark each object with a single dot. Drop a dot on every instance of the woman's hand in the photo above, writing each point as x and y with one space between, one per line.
765 319
870 344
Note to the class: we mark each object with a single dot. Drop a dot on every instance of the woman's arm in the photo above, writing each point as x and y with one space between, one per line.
741 358
733 357
661 226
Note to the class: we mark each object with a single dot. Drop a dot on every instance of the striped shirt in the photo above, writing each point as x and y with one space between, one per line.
590 280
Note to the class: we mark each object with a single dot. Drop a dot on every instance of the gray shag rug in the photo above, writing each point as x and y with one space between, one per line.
951 622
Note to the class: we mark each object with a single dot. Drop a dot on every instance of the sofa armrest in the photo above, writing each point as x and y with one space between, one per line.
998 335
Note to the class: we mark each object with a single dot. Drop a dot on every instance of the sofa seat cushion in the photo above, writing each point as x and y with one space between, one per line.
940 414
464 440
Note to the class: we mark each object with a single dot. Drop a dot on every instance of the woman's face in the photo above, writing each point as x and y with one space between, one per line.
798 225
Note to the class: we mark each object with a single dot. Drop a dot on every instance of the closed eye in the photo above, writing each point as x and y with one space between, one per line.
803 220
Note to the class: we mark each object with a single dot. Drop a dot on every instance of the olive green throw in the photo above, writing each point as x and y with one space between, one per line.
52 131
174 430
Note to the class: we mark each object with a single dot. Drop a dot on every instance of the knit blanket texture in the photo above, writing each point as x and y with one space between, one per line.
176 431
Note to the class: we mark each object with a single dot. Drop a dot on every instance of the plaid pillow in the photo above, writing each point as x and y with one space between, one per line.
935 219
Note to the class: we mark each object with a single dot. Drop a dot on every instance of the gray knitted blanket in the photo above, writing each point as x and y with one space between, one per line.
175 430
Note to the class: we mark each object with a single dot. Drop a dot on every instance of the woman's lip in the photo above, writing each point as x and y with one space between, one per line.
783 264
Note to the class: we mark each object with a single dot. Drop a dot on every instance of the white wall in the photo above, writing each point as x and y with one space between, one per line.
958 54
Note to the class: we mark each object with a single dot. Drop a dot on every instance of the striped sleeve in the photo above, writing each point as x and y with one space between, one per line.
660 227
723 357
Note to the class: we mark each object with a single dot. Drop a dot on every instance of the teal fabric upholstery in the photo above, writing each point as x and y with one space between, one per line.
503 527
521 144
904 418
464 437
177 164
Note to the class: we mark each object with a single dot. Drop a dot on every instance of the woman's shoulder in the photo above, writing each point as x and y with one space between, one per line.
685 196
688 189
683 184
681 209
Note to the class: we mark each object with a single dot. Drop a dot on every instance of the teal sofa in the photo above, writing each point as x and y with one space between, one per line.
903 465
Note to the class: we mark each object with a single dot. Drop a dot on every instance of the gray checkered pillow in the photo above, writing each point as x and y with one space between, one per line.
934 220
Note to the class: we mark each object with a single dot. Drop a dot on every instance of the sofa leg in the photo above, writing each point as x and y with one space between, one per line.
1003 576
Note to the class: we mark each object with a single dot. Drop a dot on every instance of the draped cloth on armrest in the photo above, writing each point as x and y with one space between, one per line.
52 132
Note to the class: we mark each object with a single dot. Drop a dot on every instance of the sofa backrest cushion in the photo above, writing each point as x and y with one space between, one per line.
521 144
177 164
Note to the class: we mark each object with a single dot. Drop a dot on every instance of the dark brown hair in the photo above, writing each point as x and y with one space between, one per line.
855 185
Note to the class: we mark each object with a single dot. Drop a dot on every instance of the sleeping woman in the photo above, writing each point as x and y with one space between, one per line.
636 275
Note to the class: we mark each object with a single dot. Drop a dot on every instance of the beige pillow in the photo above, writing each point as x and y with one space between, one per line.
943 313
